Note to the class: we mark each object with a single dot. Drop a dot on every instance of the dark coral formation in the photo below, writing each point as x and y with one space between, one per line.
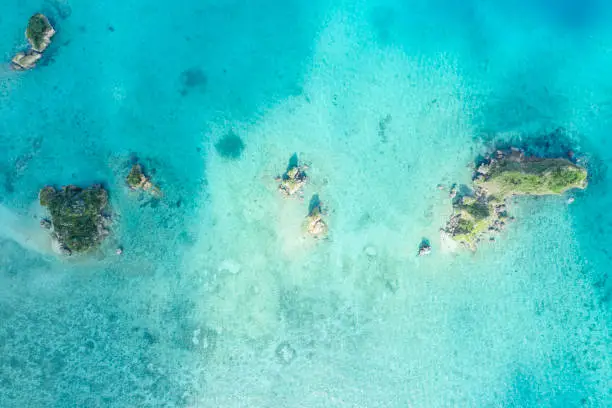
230 146
192 79
78 216
508 173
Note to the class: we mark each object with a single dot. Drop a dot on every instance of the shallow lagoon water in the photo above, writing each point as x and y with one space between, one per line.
218 299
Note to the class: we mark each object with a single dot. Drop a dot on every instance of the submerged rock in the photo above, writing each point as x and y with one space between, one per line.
294 179
45 223
77 216
483 210
137 180
424 248
38 33
285 353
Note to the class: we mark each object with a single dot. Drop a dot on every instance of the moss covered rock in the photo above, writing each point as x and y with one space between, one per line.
39 32
138 180
483 211
78 216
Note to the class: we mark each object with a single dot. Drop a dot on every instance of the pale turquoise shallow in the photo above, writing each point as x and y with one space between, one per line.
219 300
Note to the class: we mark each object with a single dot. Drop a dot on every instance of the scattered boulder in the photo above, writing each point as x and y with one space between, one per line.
315 225
294 179
78 217
137 180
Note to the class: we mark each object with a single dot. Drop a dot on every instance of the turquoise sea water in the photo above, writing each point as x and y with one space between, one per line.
218 299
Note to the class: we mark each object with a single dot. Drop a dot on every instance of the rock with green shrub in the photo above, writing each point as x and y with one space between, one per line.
482 210
78 216
38 33
138 180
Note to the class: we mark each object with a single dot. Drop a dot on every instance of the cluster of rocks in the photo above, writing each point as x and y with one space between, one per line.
482 209
79 218
38 33
292 183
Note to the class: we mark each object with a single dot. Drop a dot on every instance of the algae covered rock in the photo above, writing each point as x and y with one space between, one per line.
138 180
39 32
78 216
294 179
508 173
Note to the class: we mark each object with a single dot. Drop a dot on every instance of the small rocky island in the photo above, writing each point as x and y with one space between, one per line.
38 34
315 225
482 210
78 217
138 180
294 179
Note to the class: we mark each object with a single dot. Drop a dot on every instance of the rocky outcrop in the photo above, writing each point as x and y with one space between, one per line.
315 225
424 248
25 60
38 33
482 210
78 217
293 180
138 180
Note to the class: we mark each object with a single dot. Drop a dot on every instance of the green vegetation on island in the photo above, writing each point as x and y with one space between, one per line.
510 173
78 218
532 176
138 180
38 33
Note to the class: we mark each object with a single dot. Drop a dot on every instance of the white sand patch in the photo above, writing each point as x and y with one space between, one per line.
25 230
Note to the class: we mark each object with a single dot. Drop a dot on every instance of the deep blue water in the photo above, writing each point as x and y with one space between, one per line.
218 300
